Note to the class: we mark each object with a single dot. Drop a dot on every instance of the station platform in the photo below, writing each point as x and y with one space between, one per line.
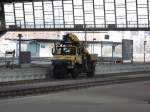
129 97
40 70
121 68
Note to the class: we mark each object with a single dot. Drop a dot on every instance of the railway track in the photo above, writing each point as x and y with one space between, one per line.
22 82
55 86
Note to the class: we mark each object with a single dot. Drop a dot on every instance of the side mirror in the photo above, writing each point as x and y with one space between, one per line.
53 51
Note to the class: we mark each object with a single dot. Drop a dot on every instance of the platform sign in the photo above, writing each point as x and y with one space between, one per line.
127 49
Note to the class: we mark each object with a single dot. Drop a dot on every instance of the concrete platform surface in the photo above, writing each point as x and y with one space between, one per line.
130 97
40 70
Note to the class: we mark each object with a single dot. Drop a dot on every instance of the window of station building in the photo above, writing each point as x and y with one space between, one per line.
19 10
58 14
89 13
110 12
29 15
78 12
121 13
79 17
9 15
77 2
38 14
48 14
131 13
19 15
98 2
68 14
99 13
142 13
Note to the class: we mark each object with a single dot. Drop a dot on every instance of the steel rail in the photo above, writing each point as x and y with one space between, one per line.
22 82
33 81
69 85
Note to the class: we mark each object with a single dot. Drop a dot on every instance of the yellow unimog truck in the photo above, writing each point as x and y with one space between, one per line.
70 56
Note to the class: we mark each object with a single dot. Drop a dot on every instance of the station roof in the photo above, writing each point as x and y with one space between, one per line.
9 1
51 37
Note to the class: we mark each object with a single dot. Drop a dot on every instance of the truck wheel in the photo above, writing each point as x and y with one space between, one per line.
54 73
59 73
75 72
91 72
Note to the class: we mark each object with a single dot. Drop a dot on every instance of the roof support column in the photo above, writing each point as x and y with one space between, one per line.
2 16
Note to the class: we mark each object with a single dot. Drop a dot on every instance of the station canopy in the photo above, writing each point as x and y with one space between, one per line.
24 0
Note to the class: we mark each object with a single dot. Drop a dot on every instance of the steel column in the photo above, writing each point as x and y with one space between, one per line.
84 21
63 13
148 13
2 16
24 15
53 13
115 12
33 14
73 13
104 13
94 13
126 13
83 15
14 14
20 36
43 13
137 14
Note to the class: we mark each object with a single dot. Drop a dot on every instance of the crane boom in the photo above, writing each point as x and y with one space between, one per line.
74 40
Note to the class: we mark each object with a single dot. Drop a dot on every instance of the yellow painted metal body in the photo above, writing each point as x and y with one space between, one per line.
73 58
81 51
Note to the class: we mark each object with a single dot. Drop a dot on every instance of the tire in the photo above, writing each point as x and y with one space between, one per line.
75 72
59 73
91 71
49 73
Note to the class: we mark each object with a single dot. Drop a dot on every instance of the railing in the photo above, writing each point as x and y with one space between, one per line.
80 27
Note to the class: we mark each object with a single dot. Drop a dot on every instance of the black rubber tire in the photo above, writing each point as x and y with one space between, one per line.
75 72
91 72
59 72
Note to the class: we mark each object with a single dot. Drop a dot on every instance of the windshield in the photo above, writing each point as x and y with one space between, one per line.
65 51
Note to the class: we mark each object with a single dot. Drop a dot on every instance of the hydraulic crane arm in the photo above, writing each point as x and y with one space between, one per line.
74 40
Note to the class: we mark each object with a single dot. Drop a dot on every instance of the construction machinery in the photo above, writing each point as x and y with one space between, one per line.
70 57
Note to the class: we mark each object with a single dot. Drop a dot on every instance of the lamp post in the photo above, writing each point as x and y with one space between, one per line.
93 44
85 34
144 49
19 35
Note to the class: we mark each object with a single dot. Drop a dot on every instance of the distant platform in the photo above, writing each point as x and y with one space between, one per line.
40 70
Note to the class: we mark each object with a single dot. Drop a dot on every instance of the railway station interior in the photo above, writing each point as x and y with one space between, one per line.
75 55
